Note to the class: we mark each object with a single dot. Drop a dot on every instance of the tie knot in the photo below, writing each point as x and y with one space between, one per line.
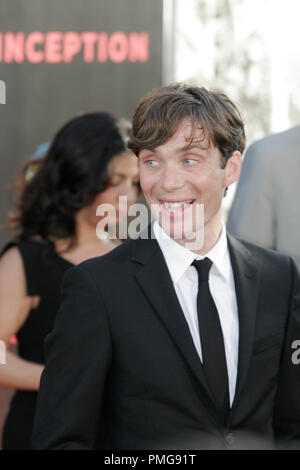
203 266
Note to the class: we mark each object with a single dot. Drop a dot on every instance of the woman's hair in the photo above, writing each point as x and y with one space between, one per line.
70 176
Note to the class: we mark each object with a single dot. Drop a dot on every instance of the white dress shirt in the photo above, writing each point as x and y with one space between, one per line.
222 288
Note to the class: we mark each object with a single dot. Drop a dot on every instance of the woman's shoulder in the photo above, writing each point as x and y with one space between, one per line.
28 246
25 258
12 271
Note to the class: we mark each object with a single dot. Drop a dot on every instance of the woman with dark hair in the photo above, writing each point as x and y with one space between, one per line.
86 165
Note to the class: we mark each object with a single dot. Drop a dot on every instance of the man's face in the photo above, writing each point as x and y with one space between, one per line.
177 177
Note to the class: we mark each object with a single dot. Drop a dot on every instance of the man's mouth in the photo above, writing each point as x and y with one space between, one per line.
176 204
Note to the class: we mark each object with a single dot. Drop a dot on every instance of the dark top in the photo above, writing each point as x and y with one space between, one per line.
44 271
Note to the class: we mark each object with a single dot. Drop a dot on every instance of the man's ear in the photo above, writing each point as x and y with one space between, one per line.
233 168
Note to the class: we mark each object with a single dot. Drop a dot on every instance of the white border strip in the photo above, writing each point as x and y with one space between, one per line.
168 42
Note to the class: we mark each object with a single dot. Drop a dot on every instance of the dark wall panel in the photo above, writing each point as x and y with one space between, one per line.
62 57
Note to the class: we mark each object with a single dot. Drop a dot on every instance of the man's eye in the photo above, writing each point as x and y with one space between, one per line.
190 161
151 162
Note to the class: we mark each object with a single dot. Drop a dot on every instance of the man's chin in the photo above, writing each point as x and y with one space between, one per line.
181 233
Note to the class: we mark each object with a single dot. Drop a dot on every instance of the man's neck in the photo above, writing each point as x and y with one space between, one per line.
212 233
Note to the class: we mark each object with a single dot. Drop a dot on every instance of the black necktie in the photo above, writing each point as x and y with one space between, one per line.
212 342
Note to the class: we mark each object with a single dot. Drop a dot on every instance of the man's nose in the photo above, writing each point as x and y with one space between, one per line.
172 178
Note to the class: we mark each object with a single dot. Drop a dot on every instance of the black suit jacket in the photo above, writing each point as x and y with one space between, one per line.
121 355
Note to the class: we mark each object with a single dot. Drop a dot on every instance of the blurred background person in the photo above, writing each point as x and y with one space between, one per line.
266 209
26 174
86 165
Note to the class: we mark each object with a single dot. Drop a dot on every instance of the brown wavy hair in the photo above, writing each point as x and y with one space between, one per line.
159 113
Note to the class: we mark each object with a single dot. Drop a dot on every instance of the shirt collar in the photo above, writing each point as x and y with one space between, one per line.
179 258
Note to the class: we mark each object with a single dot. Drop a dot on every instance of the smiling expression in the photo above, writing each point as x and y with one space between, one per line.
180 175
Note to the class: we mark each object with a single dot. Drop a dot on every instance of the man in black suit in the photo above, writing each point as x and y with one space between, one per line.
174 341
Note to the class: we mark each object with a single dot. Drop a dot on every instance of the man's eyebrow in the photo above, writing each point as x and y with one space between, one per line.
189 146
148 152
193 146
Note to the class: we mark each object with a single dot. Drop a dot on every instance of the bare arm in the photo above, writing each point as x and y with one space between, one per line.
15 306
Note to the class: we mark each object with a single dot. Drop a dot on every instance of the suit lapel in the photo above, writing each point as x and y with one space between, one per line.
246 278
156 283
